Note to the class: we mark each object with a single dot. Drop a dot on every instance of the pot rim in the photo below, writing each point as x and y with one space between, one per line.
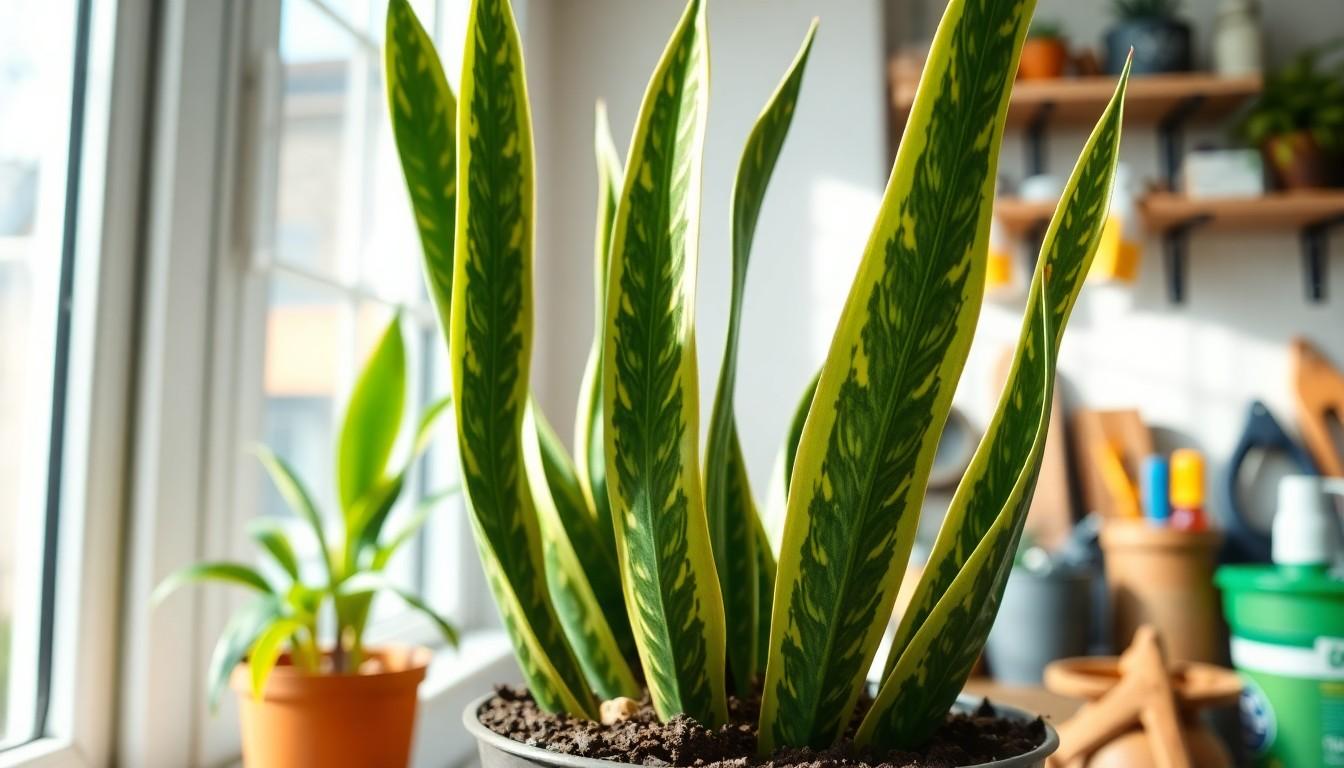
1139 535
288 684
965 701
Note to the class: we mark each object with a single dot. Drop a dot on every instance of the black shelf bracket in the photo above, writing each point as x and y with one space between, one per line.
1170 132
1035 138
1176 250
1035 238
1315 237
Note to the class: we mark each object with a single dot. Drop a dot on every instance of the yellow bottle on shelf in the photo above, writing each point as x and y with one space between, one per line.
1121 245
999 264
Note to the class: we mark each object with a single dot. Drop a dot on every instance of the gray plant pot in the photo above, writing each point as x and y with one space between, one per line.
1160 45
502 752
1041 618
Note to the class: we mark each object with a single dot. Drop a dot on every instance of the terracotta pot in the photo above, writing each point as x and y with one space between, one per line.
333 721
1164 577
1043 58
1296 161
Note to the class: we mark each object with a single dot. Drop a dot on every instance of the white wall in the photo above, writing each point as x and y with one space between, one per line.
816 215
1190 368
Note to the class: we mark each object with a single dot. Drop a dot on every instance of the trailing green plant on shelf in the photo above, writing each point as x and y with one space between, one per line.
679 590
1046 29
1306 94
288 610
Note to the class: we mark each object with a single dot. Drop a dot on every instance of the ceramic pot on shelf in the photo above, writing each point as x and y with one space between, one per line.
1237 46
1164 577
1160 45
1296 161
1042 617
1043 58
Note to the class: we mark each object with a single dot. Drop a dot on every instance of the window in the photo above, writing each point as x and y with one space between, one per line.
43 45
338 252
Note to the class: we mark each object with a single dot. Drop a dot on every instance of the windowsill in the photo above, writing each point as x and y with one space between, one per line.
455 679
43 753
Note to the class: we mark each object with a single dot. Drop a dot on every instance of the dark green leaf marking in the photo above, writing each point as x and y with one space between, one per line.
650 397
887 391
603 573
957 600
584 618
491 344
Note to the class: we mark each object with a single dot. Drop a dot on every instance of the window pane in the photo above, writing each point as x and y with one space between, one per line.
368 16
37 55
325 112
302 382
317 339
346 252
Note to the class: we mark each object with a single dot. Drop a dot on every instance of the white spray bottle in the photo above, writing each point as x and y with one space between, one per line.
1306 527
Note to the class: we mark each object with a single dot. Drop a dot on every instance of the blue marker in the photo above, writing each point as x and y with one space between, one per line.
1155 478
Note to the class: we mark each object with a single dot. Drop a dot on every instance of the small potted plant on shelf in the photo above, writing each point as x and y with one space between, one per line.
1297 122
1045 53
1160 40
652 618
306 700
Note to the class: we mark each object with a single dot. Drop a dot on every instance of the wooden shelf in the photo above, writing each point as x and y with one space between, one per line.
1023 218
1309 214
1080 100
1163 211
1287 211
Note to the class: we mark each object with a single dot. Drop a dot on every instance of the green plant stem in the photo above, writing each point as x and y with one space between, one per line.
304 651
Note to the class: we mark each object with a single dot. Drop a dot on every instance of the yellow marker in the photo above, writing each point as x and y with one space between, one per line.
1117 481
1187 491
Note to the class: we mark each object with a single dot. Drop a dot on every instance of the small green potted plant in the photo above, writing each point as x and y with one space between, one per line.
1045 53
651 617
309 691
1297 122
1160 40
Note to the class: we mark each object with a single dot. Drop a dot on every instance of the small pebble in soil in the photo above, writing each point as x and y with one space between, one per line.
618 709
640 739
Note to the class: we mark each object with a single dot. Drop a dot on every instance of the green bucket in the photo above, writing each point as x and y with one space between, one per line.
1288 644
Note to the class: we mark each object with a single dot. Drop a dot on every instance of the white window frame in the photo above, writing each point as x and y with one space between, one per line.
173 100
101 355
202 307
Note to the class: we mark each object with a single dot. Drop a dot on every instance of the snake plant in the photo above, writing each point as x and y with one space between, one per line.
640 564
288 610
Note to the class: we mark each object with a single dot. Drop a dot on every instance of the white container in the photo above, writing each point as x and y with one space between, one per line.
1306 528
1237 47
1219 173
